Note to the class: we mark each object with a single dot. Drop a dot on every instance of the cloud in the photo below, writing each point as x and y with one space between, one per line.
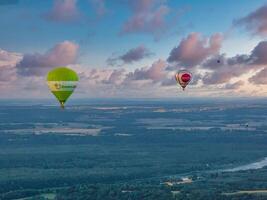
9 82
234 86
107 83
97 82
221 61
258 55
228 68
8 61
148 16
133 55
116 77
218 71
120 79
94 76
255 22
223 72
260 78
195 49
156 72
37 64
7 73
9 58
65 11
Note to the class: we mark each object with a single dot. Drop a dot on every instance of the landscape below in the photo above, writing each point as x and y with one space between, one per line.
134 150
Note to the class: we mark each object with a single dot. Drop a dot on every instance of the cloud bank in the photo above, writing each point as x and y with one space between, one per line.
61 54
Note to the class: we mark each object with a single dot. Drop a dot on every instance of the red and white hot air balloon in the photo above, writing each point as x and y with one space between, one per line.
183 77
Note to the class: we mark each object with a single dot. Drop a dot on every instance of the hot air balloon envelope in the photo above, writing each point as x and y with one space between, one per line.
62 82
183 77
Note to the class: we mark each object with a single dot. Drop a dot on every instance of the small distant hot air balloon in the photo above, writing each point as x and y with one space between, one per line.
183 77
62 82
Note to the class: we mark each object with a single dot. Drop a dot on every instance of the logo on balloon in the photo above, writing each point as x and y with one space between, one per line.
57 86
186 77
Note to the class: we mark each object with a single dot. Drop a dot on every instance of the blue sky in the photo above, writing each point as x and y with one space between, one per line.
31 27
24 28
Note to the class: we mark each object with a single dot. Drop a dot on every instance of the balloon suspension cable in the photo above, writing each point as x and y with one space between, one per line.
62 104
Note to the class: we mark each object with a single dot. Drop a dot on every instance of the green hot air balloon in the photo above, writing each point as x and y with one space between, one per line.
62 82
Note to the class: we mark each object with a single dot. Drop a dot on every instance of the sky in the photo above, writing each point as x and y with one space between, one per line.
133 48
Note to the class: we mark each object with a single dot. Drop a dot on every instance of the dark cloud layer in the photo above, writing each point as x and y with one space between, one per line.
133 55
258 55
228 68
223 73
255 22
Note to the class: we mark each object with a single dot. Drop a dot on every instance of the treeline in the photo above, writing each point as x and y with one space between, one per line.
116 192
147 192
205 186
